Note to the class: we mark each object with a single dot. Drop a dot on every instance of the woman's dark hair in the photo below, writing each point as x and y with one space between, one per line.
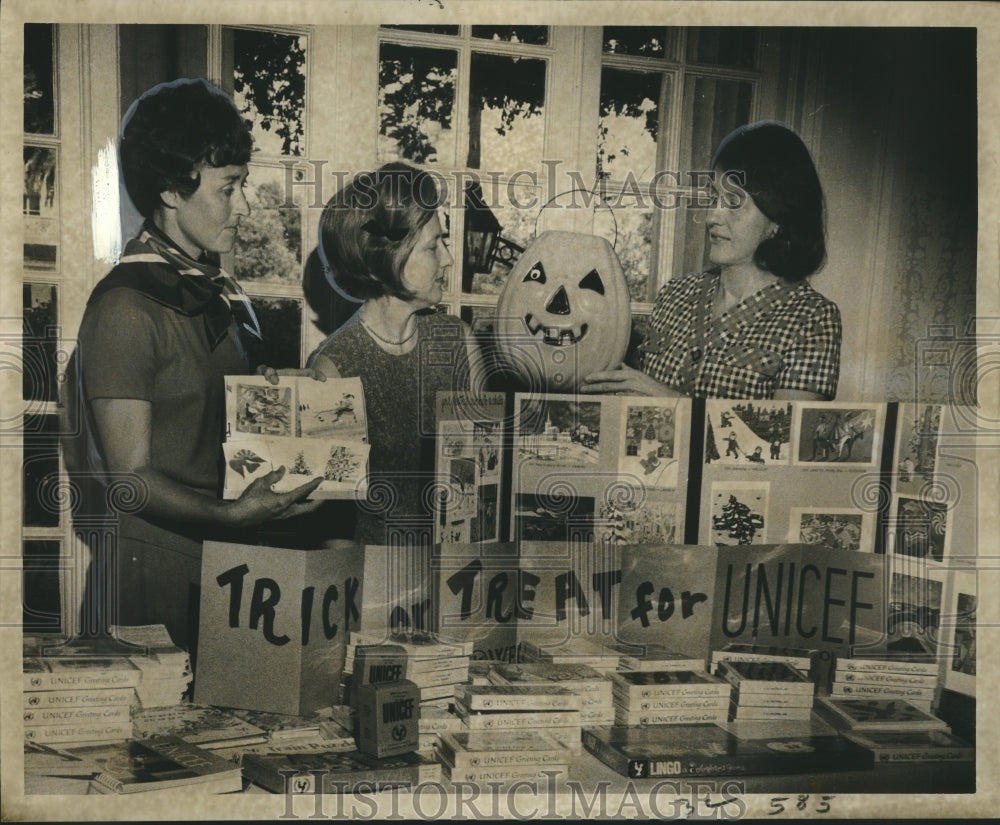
369 228
173 129
778 173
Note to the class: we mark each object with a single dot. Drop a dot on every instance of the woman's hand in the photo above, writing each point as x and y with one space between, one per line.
273 375
125 428
625 381
259 503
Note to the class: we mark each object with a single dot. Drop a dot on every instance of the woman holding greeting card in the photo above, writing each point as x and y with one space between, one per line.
159 333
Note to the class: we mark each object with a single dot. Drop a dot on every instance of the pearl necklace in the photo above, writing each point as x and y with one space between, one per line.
386 340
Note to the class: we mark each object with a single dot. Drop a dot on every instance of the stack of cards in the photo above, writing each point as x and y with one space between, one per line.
311 428
666 697
763 691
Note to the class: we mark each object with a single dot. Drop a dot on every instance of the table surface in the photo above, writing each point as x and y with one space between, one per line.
587 772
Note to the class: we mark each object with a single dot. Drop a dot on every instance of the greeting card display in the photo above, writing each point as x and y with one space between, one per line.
311 428
960 639
797 471
599 468
469 467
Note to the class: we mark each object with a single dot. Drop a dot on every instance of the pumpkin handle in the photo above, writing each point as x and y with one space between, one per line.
603 201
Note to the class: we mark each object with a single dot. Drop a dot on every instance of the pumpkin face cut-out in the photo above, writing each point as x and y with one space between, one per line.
564 311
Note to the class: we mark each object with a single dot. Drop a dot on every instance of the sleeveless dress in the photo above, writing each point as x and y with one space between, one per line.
400 395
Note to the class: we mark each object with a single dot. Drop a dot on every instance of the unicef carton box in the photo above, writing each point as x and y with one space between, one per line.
388 718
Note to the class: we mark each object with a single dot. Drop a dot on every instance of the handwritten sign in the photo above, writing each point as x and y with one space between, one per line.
668 596
568 591
274 625
480 588
690 599
461 592
693 599
798 596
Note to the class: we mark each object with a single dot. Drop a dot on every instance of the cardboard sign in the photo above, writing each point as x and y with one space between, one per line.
687 598
692 599
460 592
478 597
798 595
667 596
274 625
567 591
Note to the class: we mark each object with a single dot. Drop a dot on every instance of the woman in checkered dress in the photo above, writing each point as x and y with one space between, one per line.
750 326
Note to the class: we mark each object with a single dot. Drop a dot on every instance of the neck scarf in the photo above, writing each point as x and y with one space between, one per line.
153 266
224 285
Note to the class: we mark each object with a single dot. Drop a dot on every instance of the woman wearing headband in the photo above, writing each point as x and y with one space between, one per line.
383 244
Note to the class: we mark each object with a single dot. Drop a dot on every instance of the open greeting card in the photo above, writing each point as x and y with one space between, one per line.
311 428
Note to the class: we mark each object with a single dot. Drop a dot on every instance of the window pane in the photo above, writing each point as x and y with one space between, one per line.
269 75
39 181
506 104
269 243
482 320
723 46
628 125
648 41
415 103
427 29
631 233
717 107
39 100
41 610
281 326
533 35
39 375
40 206
41 462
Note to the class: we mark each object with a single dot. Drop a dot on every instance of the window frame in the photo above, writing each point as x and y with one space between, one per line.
43 411
220 66
455 300
575 56
574 59
667 248
90 112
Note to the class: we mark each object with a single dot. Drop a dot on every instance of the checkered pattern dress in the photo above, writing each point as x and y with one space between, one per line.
786 336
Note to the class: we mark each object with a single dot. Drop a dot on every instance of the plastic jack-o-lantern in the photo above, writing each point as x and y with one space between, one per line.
564 311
